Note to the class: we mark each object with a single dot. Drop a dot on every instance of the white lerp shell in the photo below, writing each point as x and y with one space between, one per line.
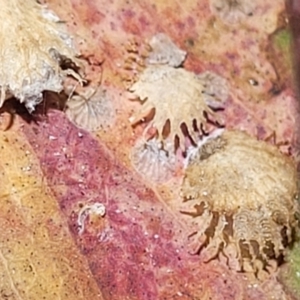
91 111
179 96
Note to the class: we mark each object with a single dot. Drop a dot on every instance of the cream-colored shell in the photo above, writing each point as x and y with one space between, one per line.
247 193
176 95
33 42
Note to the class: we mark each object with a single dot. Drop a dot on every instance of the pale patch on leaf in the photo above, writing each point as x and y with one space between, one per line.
164 52
232 11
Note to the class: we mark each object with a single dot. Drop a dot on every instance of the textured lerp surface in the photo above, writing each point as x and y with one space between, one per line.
246 192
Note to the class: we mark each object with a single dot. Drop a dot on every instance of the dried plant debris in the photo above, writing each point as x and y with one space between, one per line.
164 52
91 111
178 96
97 209
243 192
154 160
232 11
34 44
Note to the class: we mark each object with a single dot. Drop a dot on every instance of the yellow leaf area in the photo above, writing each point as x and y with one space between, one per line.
38 258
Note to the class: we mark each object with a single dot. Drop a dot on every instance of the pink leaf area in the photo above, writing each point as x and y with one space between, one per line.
139 249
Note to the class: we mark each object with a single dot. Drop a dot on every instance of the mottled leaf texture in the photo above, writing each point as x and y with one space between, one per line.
105 199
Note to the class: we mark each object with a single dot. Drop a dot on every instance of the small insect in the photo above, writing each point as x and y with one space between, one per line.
97 209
